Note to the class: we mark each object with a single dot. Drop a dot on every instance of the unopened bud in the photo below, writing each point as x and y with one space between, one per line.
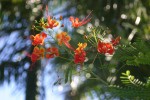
61 17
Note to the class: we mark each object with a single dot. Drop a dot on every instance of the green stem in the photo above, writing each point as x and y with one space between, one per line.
50 35
63 58
95 58
99 78
95 37
93 78
80 71
90 41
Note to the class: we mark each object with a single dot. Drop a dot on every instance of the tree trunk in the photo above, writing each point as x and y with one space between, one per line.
31 82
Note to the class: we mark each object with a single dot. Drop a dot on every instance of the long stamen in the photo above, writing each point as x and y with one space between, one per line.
82 23
68 45
87 16
47 10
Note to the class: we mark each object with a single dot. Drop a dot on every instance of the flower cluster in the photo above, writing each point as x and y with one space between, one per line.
39 51
79 54
107 47
37 54
38 39
51 23
52 52
76 23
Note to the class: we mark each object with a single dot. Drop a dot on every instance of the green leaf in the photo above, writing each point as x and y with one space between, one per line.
55 83
66 74
70 75
128 72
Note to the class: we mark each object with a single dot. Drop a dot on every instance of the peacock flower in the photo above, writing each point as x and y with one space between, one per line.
80 54
77 23
104 48
34 57
37 53
108 47
116 41
52 52
79 57
81 47
38 39
51 23
63 38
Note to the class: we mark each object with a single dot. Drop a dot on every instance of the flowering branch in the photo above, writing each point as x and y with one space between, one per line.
94 42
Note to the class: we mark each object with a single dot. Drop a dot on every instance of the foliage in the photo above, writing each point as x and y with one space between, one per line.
132 89
135 54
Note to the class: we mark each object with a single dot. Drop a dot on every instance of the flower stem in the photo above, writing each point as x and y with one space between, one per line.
99 78
95 37
63 58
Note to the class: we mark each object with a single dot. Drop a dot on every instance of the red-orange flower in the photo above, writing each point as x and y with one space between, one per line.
81 47
108 47
116 41
34 57
63 38
76 23
38 39
52 52
104 48
37 54
79 58
80 54
51 23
